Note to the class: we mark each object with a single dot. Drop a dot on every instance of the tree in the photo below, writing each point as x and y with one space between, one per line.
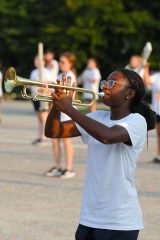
109 30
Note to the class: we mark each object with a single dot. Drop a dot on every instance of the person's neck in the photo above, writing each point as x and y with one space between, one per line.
50 61
64 72
119 113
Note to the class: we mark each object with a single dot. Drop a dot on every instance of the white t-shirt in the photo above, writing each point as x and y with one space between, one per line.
87 77
54 70
34 76
139 70
155 79
1 78
110 198
68 74
65 117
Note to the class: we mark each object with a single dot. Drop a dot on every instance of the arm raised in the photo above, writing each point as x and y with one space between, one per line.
104 134
56 129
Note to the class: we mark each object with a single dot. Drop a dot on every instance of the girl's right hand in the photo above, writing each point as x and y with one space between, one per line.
63 98
66 82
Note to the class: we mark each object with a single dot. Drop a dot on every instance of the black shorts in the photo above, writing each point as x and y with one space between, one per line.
157 118
87 233
40 106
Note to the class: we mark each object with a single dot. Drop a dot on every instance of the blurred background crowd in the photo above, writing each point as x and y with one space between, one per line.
110 31
82 39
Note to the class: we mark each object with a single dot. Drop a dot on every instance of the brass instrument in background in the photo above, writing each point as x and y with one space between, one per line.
146 53
144 57
12 80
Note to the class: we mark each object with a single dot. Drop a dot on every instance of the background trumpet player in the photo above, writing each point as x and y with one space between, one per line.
136 65
140 64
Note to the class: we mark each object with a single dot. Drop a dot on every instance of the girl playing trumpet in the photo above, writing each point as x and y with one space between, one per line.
110 207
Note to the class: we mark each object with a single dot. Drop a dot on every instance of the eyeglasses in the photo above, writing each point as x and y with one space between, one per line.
110 83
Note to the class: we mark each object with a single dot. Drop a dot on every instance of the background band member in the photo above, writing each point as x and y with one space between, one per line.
110 207
1 93
90 78
41 108
154 81
136 65
51 64
67 68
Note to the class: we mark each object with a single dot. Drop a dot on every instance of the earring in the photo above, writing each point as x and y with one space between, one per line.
126 97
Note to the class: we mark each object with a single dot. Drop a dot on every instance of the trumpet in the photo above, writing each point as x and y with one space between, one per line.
11 80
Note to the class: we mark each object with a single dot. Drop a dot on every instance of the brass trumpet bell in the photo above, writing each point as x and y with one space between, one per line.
12 80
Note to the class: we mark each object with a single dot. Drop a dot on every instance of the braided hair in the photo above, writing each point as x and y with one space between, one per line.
137 104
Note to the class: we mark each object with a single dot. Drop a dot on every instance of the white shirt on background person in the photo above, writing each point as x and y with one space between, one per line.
87 77
139 70
54 70
65 117
1 78
155 79
68 74
34 76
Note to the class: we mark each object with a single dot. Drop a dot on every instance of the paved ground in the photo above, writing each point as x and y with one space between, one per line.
35 207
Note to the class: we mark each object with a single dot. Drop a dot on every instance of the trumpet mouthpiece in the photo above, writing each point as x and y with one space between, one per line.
101 94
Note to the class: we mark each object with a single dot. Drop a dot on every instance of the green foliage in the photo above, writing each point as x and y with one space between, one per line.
109 30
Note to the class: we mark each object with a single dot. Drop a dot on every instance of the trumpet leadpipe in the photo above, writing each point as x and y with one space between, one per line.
12 80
